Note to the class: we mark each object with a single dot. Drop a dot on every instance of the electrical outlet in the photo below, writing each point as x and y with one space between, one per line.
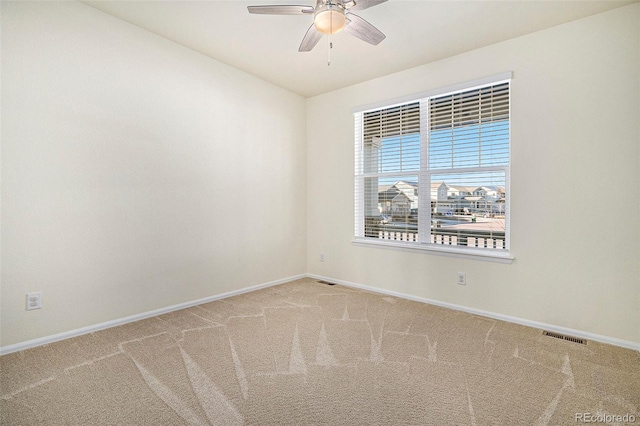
34 300
321 257
462 278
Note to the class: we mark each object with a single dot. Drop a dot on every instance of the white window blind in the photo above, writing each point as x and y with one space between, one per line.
387 168
470 129
444 183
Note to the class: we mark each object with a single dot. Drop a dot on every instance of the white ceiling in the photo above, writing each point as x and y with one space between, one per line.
418 32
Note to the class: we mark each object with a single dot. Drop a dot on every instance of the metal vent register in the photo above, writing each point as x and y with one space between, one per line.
565 337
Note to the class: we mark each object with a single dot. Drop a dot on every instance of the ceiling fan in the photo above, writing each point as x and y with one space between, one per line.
329 17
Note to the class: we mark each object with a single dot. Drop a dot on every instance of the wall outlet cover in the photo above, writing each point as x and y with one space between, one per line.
34 300
462 278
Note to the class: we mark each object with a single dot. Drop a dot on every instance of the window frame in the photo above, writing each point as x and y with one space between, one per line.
423 243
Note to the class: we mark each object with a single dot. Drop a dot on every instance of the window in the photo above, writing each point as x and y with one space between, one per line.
433 173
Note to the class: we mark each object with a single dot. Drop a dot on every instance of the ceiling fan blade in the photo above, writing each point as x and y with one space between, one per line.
311 38
365 4
358 27
281 10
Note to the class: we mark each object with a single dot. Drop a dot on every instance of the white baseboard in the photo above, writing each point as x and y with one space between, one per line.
535 324
97 327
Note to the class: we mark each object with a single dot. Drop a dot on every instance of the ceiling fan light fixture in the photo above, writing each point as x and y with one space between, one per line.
329 19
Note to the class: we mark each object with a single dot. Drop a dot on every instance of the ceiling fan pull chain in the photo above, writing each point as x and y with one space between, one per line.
330 43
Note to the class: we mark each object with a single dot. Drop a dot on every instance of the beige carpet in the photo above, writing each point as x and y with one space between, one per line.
308 353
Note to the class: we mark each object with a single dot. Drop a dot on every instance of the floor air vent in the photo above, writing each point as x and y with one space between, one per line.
326 282
565 337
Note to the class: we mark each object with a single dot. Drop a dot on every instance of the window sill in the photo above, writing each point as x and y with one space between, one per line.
464 253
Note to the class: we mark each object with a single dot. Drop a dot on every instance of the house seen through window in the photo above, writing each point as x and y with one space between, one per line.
434 173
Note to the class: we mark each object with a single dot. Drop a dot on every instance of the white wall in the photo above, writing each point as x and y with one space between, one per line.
136 174
123 156
575 151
